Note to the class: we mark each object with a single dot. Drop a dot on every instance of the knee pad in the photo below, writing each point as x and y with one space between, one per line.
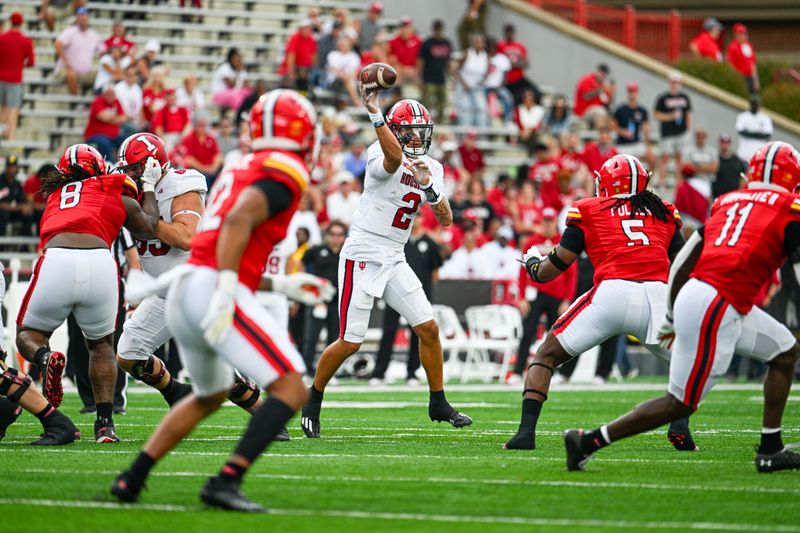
11 377
244 392
143 371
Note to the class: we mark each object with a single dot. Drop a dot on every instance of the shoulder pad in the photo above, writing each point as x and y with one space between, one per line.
288 165
574 214
794 207
676 215
187 180
129 187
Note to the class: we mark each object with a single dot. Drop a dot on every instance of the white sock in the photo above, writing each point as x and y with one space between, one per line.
604 433
770 430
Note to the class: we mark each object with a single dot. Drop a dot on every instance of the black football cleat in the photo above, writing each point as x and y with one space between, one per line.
282 436
54 365
523 440
59 430
445 413
680 436
9 412
105 432
576 459
786 459
226 495
311 426
126 488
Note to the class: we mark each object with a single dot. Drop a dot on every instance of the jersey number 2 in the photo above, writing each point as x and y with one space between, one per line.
635 237
71 194
734 210
404 215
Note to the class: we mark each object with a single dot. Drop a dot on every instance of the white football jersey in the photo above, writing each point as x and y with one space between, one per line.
389 204
156 256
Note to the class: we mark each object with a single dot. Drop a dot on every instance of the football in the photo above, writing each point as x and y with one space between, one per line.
377 76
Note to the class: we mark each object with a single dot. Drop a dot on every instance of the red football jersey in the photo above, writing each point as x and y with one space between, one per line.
92 206
284 167
621 247
744 242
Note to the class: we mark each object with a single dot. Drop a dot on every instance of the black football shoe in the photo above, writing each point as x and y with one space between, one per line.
225 494
576 459
54 364
126 488
309 420
680 436
445 413
9 412
523 440
58 430
282 436
105 432
786 459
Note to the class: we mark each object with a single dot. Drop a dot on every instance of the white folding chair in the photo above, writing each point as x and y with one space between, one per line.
452 336
497 328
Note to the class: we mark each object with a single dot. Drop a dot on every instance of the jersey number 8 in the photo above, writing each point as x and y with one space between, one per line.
71 194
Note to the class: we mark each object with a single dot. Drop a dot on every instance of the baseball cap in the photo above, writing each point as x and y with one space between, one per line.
343 177
505 232
12 160
83 10
724 138
152 46
710 23
16 18
405 20
548 213
632 86
674 76
739 28
376 7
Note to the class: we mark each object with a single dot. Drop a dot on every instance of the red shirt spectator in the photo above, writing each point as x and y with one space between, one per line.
518 54
545 172
119 39
171 118
32 187
597 153
571 161
205 150
301 51
471 155
707 46
96 126
590 91
406 48
17 52
741 54
153 99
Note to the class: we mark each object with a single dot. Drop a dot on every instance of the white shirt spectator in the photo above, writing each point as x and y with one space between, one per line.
499 64
80 47
701 157
193 102
465 264
308 220
342 64
103 76
130 96
342 208
530 118
755 130
500 260
474 68
223 72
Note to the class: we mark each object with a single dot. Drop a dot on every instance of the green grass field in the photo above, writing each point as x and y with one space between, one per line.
382 465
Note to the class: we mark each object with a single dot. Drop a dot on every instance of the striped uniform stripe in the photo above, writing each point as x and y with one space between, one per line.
574 214
795 206
769 160
31 287
73 154
347 294
262 342
634 173
269 108
572 313
706 351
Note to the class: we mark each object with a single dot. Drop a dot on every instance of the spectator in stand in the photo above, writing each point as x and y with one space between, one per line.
404 51
473 22
434 61
691 197
244 147
149 60
200 150
355 161
105 118
52 11
369 26
527 210
706 44
299 58
172 121
705 161
119 38
14 204
342 16
536 299
467 262
633 127
33 191
471 155
226 136
112 68
475 205
471 71
325 45
673 111
730 169
530 121
316 22
154 94
76 48
452 166
229 86
544 173
190 95
502 259
243 112
754 128
342 68
517 53
742 57
129 95
198 4
572 161
17 54
591 96
499 65
342 203
559 117
597 153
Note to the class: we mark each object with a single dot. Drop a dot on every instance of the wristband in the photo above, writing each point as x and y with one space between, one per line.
376 119
557 261
533 270
278 283
431 194
148 187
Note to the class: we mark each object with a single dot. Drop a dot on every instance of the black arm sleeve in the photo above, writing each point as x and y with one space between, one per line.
279 196
573 240
791 241
676 243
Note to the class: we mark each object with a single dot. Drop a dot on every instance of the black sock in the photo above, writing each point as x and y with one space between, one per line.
771 443
266 422
437 397
166 390
141 467
105 410
314 395
591 441
530 414
40 356
44 413
232 471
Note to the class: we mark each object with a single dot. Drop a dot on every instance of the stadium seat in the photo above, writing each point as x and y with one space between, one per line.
495 328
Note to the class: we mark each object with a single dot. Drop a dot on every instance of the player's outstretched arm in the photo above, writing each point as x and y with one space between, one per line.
187 209
138 221
392 151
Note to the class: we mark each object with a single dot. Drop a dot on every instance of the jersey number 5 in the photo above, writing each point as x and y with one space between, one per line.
71 194
404 215
734 210
635 237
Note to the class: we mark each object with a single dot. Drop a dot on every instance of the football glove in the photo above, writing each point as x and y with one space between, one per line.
532 258
151 174
304 288
218 319
666 333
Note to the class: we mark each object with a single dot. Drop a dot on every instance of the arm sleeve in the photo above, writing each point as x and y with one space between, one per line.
791 241
573 239
279 196
676 243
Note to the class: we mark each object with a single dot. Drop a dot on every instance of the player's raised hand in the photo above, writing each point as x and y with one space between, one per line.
218 319
421 171
304 288
666 334
369 97
151 174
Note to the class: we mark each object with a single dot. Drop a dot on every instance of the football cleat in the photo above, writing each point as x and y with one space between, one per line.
59 430
523 440
576 459
226 494
283 435
681 437
786 459
126 488
51 378
104 431
311 426
445 413
9 412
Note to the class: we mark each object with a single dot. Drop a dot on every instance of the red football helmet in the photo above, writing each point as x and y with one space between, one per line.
83 156
283 119
135 151
412 125
777 163
622 174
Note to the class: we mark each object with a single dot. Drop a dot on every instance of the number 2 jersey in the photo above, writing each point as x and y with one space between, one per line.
283 170
158 257
620 246
746 239
389 204
92 206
